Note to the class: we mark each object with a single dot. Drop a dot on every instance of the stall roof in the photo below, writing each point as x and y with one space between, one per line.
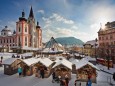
45 61
82 63
75 61
9 61
31 61
65 63
88 58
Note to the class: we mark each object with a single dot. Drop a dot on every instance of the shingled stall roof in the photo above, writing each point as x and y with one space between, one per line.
63 62
45 61
82 63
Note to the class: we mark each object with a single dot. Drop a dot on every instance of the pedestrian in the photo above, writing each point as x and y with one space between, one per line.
42 72
24 71
77 83
66 80
62 82
53 76
1 58
114 76
89 83
20 71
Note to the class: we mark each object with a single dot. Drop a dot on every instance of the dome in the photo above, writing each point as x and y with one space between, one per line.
6 29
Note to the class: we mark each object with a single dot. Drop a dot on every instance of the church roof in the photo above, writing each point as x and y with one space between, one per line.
6 29
31 13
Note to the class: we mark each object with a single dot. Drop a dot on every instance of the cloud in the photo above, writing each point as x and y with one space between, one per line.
41 11
58 18
11 25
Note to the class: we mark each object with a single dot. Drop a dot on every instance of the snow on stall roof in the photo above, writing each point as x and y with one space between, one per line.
31 48
75 61
31 61
9 61
88 58
27 54
45 61
82 63
51 51
64 62
58 58
76 54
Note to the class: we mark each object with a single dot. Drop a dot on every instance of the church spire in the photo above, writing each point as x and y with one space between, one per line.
31 13
23 13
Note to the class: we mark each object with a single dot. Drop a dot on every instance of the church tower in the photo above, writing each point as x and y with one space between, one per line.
32 29
28 34
22 31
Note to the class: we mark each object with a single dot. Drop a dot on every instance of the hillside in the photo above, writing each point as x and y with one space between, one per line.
69 41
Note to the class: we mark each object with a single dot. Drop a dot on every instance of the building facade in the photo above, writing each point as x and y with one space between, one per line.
106 38
27 35
91 48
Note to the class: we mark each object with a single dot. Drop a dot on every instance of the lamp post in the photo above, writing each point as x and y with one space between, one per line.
107 53
95 49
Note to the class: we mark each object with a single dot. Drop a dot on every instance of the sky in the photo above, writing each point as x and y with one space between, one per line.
81 19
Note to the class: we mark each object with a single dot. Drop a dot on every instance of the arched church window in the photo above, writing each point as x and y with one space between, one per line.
19 29
25 28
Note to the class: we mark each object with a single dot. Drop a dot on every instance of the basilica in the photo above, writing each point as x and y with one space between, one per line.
27 36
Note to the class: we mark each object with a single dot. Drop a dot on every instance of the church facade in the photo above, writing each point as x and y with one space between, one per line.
28 34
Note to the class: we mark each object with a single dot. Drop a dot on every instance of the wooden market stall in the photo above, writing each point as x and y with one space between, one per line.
85 70
62 68
45 64
11 65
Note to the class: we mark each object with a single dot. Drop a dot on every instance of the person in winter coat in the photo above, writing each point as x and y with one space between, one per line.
89 83
77 83
42 72
20 71
53 76
114 76
66 80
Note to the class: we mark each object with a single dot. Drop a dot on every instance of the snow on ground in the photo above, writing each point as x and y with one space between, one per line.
6 55
14 80
111 70
103 78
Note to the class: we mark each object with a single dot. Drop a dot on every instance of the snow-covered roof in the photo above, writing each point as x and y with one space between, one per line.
76 54
27 54
30 61
58 58
64 62
49 50
93 42
9 61
75 61
45 61
31 48
82 63
88 58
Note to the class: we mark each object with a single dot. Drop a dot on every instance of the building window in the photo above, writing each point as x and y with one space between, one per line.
7 40
99 38
4 40
111 37
111 43
106 38
10 40
25 29
25 41
19 29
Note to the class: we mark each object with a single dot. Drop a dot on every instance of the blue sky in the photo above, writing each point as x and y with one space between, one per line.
61 18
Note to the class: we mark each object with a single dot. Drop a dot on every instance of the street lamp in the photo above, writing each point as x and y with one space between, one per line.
95 49
107 53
